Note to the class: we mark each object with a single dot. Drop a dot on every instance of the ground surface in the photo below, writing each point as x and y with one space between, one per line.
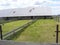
7 27
40 31
43 30
4 42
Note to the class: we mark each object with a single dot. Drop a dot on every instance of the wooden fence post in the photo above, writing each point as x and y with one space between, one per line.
1 32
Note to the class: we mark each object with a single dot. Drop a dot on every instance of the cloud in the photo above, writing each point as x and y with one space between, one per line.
37 3
19 3
55 0
26 3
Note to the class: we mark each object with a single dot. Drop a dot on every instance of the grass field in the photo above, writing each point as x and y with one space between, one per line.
7 27
43 30
40 31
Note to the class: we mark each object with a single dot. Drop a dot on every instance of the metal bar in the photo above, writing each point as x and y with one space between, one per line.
1 32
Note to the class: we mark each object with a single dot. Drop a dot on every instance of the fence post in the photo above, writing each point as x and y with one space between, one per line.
57 31
1 32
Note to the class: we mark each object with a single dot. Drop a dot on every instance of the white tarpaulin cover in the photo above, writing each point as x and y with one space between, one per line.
29 11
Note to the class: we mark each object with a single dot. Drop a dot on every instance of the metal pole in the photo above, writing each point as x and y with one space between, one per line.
1 32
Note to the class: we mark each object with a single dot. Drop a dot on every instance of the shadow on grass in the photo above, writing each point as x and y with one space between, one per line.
15 35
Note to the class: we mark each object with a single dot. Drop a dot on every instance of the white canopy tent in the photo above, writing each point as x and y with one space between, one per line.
29 11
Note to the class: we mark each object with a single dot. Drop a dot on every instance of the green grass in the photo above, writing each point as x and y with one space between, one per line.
41 31
7 27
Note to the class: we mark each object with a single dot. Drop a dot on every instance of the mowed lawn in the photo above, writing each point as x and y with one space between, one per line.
7 27
43 30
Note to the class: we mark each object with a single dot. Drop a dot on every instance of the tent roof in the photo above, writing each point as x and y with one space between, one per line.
29 11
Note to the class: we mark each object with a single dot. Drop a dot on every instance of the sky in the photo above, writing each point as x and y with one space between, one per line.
54 4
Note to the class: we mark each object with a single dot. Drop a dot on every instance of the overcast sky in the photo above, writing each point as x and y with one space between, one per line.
54 4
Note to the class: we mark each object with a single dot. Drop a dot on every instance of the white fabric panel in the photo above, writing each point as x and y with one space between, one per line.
35 11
